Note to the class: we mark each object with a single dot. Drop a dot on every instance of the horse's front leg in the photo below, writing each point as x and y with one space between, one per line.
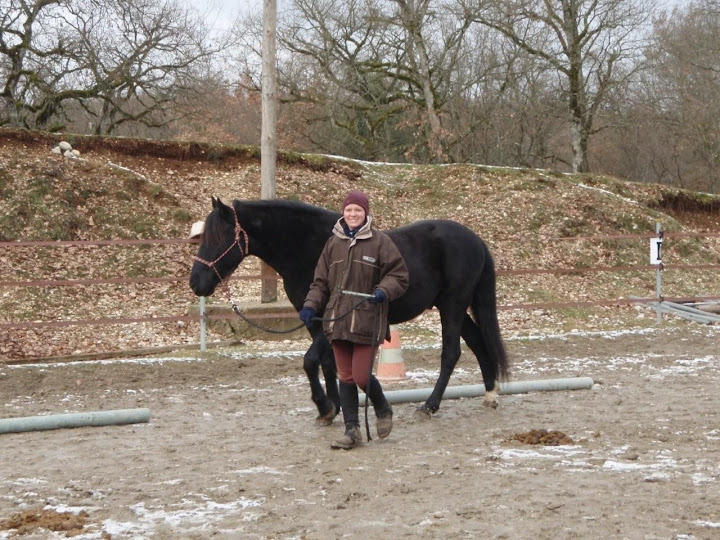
327 363
316 356
448 359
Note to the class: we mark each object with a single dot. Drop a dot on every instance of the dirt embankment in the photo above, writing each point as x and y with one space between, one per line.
130 189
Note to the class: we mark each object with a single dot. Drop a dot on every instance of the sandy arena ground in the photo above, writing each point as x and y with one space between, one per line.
232 451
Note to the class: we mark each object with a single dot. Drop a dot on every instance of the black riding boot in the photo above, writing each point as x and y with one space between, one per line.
349 403
383 410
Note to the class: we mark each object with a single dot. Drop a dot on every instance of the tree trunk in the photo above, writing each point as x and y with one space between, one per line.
579 147
413 14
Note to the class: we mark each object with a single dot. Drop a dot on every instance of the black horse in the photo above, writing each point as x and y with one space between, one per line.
450 268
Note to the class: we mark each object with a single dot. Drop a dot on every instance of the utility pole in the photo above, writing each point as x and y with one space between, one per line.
268 140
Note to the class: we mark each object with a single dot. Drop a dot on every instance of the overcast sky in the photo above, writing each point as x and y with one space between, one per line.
228 10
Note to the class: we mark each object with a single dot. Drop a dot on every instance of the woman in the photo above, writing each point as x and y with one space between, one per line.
361 259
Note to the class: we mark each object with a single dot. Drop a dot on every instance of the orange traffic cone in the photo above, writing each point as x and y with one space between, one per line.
391 366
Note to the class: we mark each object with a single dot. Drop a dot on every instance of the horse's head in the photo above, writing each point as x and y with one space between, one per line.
223 246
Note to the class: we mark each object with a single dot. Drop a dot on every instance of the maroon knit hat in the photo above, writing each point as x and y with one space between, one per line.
359 198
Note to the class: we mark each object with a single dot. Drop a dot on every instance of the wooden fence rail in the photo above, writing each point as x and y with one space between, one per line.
188 318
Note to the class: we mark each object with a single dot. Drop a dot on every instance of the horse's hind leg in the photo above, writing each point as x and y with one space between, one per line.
448 359
473 337
320 354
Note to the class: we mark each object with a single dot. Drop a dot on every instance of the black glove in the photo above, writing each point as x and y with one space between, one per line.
378 297
306 315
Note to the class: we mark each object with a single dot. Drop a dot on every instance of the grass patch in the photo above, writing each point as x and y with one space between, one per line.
181 215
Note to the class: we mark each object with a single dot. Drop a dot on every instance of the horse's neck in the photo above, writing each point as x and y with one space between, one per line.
290 245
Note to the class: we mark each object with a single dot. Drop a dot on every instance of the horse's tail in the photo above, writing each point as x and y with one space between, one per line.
484 309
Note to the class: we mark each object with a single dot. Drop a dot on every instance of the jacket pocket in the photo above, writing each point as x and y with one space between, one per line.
364 320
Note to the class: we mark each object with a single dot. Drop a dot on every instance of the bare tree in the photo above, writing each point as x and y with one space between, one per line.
21 50
381 71
413 20
344 64
121 61
592 45
681 96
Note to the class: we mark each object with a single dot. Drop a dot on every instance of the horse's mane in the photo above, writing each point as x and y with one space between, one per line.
287 207
213 229
290 211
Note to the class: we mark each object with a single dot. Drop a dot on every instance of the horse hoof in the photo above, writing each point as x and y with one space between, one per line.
423 413
490 404
326 419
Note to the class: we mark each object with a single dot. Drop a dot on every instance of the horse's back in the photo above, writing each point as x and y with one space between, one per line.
439 236
440 227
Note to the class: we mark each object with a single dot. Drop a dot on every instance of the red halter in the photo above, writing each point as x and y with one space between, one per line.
238 231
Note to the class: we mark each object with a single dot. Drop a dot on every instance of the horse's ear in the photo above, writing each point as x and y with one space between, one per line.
215 202
226 212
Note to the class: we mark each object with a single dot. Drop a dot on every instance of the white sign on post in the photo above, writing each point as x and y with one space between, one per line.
656 250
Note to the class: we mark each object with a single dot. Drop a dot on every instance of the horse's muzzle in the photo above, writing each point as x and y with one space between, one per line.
203 285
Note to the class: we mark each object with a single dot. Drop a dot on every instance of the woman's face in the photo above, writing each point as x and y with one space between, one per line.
354 215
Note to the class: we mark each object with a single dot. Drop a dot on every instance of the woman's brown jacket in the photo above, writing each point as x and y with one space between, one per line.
362 264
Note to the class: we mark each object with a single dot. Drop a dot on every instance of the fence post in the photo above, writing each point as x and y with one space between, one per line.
658 272
203 345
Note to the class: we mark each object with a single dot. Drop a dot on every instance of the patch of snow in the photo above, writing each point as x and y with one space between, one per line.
606 192
258 470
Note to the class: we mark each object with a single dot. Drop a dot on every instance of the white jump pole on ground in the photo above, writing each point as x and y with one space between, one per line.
73 420
476 390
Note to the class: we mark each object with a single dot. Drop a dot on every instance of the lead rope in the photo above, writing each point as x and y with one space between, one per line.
240 314
373 353
375 337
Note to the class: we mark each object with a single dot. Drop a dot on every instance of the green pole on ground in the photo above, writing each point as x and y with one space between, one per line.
476 390
73 420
